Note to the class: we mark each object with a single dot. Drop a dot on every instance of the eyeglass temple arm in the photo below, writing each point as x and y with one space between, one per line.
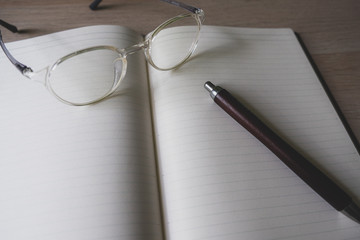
183 5
95 3
21 67
8 26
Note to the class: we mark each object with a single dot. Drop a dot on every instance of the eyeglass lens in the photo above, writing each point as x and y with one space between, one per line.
91 75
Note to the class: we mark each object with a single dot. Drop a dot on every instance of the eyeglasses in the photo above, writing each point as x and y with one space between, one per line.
74 79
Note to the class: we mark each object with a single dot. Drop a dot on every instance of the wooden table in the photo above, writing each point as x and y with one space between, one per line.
329 28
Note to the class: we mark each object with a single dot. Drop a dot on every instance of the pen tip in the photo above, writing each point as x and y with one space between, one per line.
209 86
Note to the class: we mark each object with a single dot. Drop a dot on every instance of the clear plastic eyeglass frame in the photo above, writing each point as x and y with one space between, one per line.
120 63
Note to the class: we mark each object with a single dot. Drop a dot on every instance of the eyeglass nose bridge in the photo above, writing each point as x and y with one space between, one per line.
134 48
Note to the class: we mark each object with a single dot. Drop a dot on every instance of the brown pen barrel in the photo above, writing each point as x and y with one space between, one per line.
317 180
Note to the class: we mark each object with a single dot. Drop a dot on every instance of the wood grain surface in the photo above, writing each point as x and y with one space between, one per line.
329 28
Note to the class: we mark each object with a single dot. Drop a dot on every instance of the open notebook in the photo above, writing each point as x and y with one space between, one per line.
159 160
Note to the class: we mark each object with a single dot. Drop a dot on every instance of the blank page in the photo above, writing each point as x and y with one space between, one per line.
76 172
219 182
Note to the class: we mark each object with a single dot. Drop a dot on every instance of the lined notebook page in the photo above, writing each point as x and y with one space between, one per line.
76 172
218 181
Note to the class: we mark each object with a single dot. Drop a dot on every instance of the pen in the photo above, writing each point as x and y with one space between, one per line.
311 175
